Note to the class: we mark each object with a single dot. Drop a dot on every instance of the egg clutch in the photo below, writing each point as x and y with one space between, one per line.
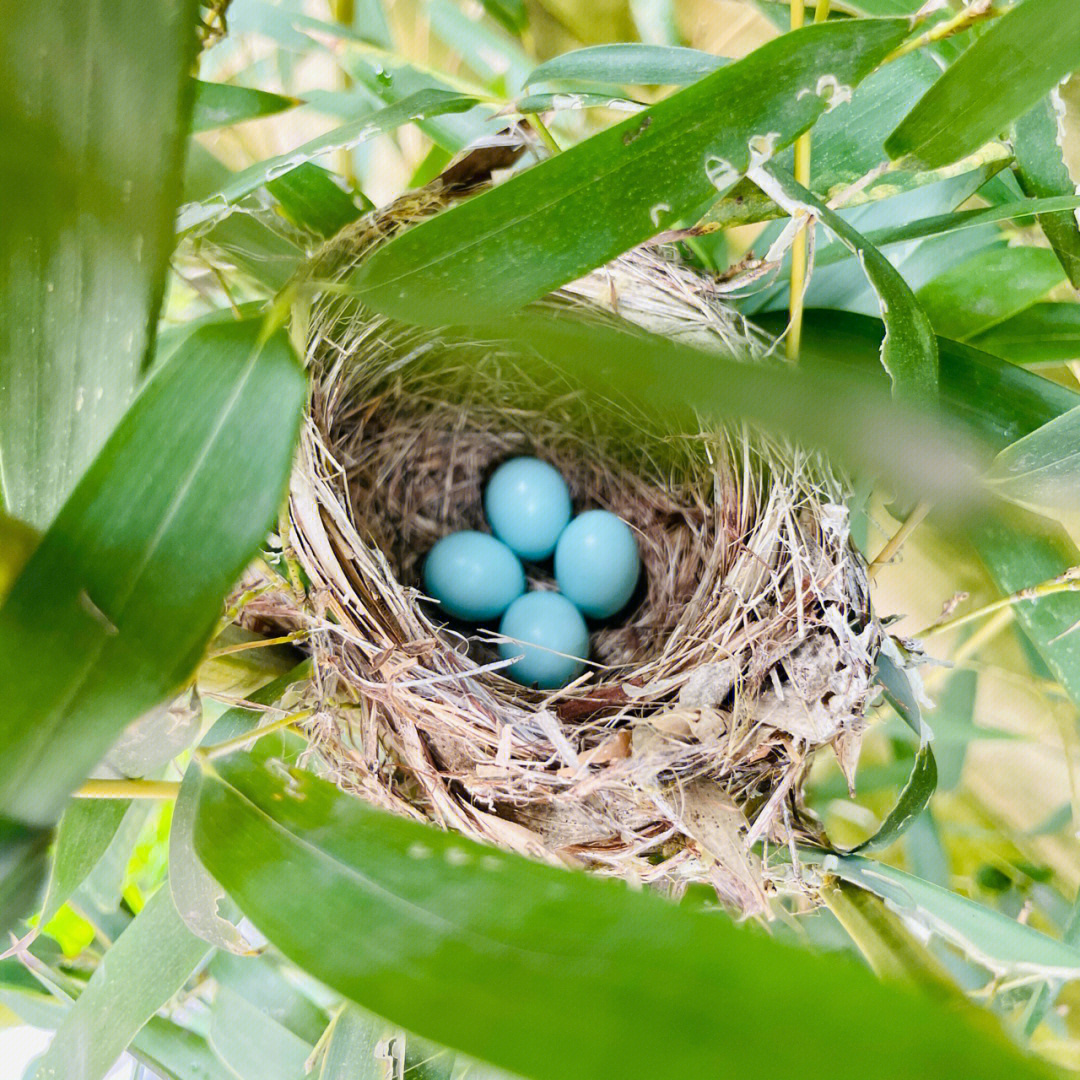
478 577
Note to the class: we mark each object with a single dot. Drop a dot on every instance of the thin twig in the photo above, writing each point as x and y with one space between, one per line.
896 541
544 133
257 733
262 643
1067 582
972 14
128 789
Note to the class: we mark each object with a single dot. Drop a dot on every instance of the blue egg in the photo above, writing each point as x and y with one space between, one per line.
473 576
597 563
528 505
549 635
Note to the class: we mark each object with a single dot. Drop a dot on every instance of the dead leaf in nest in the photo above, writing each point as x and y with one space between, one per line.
716 824
846 746
710 684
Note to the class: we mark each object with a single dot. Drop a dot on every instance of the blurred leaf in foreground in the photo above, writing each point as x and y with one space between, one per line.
93 121
553 974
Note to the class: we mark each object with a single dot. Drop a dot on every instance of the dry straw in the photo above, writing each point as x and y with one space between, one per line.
752 645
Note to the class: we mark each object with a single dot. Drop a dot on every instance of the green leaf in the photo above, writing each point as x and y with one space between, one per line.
1042 470
176 1053
112 611
1041 171
251 1044
988 288
629 64
24 864
221 104
1046 334
263 981
417 106
983 934
497 58
513 961
851 415
17 543
510 13
85 832
1015 62
350 1050
90 177
149 963
311 200
197 896
909 349
588 204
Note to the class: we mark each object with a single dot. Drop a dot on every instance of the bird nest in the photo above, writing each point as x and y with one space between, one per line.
680 752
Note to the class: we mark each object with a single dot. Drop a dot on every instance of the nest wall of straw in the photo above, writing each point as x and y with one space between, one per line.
749 645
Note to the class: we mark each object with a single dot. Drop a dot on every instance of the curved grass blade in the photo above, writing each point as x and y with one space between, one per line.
514 962
221 104
1001 944
629 64
424 103
1040 169
90 178
115 606
1017 60
909 349
551 224
149 963
251 1044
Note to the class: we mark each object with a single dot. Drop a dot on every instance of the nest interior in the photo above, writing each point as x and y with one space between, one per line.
749 646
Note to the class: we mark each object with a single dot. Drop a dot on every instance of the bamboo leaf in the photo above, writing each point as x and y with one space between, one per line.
311 200
629 64
1016 61
993 939
221 104
90 179
1042 334
23 867
1042 173
149 963
112 611
351 1048
1042 470
513 961
588 204
86 830
988 288
424 103
909 349
251 1044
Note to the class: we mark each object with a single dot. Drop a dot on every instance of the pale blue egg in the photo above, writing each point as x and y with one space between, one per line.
597 563
549 635
473 576
527 503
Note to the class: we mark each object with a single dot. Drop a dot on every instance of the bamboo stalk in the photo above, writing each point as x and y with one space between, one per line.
128 789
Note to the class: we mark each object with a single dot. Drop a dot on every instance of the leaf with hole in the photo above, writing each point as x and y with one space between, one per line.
579 209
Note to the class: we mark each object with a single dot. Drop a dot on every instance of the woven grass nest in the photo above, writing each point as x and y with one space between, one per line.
750 645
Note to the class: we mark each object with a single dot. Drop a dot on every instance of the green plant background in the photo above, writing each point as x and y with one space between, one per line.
163 185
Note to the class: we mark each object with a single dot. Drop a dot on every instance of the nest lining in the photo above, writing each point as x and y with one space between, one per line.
751 645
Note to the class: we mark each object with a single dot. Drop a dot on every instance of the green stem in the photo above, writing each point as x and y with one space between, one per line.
218 749
128 789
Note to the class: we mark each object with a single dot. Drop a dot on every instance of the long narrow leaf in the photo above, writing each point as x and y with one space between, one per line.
113 609
93 121
149 963
1016 61
221 104
629 64
517 962
909 348
577 210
